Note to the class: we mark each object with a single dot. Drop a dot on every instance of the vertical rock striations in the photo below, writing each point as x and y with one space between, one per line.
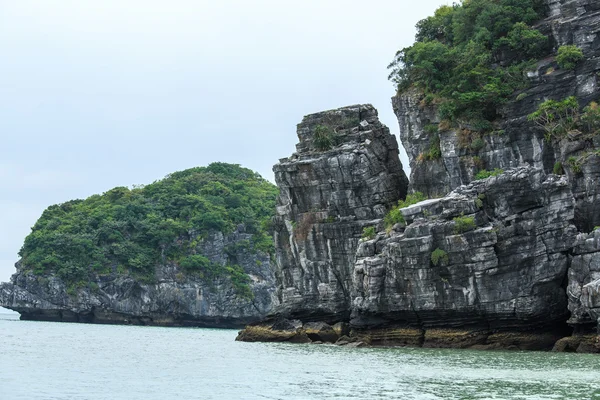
344 176
584 282
501 259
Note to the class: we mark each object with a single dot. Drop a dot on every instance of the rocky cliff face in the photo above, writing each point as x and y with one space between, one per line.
502 270
327 197
584 281
511 261
175 298
494 264
517 141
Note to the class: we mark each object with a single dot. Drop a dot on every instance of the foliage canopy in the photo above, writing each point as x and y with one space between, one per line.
134 230
560 118
472 56
568 56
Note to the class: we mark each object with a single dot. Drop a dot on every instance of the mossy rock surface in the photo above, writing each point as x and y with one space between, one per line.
450 338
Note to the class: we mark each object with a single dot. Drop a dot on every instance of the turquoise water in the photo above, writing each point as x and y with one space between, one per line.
44 360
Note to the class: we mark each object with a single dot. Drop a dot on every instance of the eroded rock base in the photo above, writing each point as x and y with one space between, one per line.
294 331
578 344
113 318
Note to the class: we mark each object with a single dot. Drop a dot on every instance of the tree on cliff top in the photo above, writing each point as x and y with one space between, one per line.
470 57
133 230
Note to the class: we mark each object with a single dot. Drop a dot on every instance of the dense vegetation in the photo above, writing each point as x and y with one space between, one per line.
395 216
561 118
568 56
133 230
470 57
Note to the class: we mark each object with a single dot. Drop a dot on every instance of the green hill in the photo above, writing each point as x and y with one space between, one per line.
131 231
470 57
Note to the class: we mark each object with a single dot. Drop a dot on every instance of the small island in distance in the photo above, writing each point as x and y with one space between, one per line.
191 249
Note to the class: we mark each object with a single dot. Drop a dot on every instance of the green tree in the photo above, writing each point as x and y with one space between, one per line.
525 41
556 117
568 56
471 57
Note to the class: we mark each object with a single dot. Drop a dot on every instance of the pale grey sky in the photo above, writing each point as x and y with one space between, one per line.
102 93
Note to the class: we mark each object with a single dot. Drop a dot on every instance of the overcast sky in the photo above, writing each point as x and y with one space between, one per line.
102 93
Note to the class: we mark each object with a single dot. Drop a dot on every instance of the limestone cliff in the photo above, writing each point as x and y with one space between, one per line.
494 264
175 298
516 140
584 281
511 261
327 196
505 270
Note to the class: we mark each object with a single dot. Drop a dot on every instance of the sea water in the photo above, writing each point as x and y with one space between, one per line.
46 360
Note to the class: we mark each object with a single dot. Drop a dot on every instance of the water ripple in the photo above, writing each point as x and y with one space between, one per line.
43 360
